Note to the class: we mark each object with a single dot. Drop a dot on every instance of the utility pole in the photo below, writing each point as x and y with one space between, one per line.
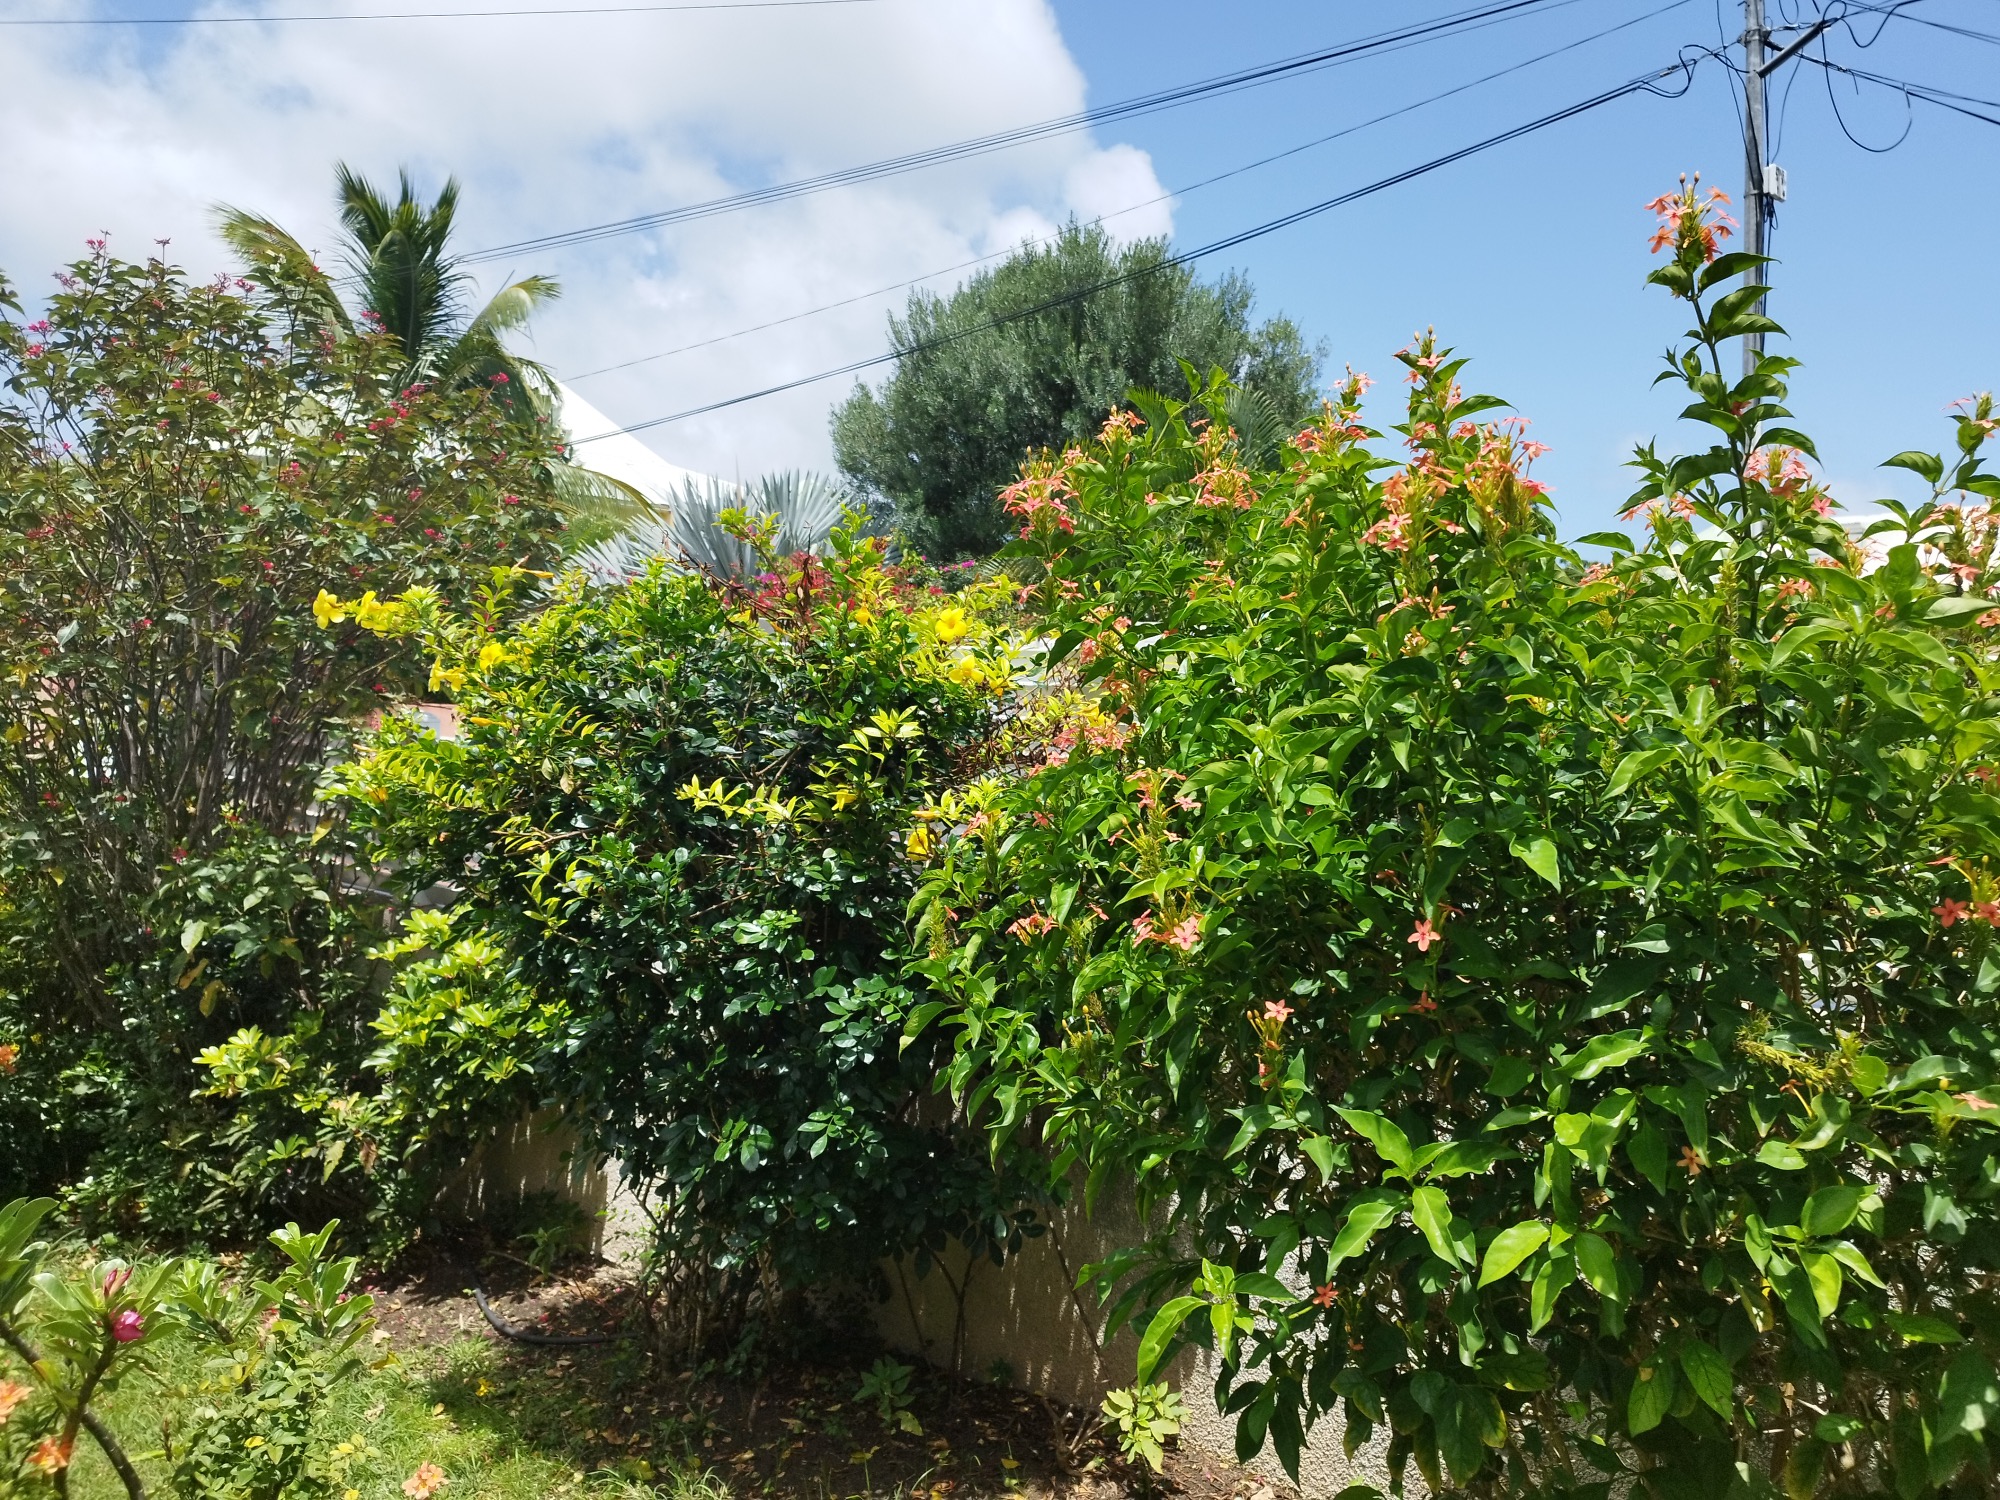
1756 150
1763 179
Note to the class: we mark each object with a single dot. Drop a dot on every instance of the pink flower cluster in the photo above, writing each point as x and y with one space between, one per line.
1032 926
1223 484
1687 219
1040 497
1183 934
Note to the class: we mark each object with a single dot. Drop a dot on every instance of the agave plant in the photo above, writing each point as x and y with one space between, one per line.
806 505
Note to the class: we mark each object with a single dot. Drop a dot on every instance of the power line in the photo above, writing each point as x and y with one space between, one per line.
1000 140
1928 93
1646 83
425 15
1238 171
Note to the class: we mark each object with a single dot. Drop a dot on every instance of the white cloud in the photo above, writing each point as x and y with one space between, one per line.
552 123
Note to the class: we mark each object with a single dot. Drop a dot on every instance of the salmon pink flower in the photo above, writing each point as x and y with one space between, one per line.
1324 1296
12 1394
1032 926
1950 911
427 1481
1973 1101
1423 935
1277 1010
1425 1005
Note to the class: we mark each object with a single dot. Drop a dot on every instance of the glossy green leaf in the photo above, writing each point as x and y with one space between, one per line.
1510 1247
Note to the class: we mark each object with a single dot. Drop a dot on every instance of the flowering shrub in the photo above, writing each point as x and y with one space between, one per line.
687 815
1549 1010
279 1350
181 467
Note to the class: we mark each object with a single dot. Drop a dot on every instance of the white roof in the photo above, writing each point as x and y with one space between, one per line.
619 454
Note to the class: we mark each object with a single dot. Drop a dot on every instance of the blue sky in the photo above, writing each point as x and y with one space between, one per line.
1530 258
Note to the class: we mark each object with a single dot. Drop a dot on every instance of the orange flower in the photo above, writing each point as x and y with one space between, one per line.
427 1481
1950 911
12 1394
52 1456
1324 1296
10 1057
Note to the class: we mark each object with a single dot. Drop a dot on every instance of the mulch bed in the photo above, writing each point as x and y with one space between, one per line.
795 1432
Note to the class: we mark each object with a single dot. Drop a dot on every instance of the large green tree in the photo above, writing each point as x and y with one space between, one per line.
1031 355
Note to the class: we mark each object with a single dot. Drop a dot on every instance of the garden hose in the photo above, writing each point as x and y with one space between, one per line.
527 1336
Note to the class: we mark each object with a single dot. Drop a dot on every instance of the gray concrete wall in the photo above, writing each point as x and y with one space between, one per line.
963 1318
1029 1314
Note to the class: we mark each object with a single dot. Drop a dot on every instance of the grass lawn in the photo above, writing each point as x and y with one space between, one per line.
512 1421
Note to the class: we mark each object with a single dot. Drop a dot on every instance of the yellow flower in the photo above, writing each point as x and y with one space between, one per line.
952 624
449 677
863 615
328 610
844 797
919 842
967 673
491 655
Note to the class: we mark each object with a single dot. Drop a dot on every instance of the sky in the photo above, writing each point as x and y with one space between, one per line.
1529 257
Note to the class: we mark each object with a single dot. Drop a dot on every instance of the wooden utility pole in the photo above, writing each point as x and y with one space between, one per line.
1763 179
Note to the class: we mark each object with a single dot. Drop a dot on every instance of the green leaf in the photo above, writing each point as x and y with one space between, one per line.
1510 1247
1384 1135
1921 1328
1708 1377
1598 1264
1430 1211
1363 1220
1600 1053
1831 1210
1538 854
1319 1151
1927 464
1968 1398
1637 764
1781 1154
1617 541
1510 1075
1956 609
1653 1391
1827 1279
1161 1331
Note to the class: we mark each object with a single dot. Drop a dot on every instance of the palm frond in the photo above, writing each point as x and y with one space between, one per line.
510 308
599 507
1259 433
284 265
397 252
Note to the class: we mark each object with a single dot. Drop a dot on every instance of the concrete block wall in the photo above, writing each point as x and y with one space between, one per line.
964 1318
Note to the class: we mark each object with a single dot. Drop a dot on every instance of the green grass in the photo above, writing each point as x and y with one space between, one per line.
499 1430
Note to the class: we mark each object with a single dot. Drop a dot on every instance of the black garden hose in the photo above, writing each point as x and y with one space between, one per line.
508 1330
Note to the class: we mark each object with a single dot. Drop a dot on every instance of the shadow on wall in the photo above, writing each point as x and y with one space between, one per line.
540 1153
1024 1322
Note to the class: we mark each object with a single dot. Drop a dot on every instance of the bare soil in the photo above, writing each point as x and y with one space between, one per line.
794 1431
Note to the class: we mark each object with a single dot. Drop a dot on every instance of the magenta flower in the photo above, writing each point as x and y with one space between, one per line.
128 1326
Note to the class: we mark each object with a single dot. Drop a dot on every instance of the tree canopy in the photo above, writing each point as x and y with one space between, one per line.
1028 356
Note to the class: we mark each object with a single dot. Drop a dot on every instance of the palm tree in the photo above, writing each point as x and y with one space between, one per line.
409 286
